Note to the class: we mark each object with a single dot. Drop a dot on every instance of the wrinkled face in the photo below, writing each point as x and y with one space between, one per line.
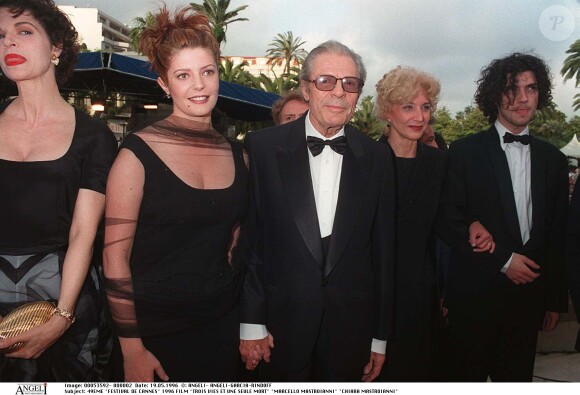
409 120
193 83
428 137
25 47
292 110
518 106
330 110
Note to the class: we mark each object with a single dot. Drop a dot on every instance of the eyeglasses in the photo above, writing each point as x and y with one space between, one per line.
328 82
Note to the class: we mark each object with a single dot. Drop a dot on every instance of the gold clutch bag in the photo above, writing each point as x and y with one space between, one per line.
22 319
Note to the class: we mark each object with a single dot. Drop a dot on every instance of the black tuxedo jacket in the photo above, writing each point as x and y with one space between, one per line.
478 186
289 285
573 249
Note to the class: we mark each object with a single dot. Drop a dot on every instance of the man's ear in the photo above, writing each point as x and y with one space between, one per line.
305 88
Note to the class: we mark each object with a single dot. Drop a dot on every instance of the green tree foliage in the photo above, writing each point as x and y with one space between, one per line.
219 16
278 84
140 24
574 126
466 122
471 120
237 74
365 121
285 49
553 132
444 123
571 68
550 125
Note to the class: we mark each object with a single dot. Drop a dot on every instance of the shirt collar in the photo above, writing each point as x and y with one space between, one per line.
311 130
502 130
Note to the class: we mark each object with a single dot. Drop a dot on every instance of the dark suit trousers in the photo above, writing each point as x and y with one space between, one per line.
500 345
318 368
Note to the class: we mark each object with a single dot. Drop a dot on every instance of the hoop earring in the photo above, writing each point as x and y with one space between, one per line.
54 59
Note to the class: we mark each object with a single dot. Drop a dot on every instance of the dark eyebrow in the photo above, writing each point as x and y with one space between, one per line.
26 23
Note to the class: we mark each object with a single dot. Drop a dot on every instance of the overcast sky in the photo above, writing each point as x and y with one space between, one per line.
451 39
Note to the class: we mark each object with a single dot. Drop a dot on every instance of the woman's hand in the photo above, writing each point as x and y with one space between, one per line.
38 339
480 239
140 365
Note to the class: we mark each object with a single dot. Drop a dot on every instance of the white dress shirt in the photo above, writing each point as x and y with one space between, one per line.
325 170
518 158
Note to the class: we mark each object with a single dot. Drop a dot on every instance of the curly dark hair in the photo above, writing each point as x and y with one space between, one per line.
58 27
500 76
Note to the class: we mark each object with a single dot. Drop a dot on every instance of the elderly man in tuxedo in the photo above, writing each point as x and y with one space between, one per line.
516 186
317 302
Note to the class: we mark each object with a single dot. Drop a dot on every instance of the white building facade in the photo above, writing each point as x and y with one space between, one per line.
259 65
99 31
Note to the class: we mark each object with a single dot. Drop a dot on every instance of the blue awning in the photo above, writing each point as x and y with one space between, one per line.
111 72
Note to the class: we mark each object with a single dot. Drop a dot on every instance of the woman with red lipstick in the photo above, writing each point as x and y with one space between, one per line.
54 162
175 197
406 99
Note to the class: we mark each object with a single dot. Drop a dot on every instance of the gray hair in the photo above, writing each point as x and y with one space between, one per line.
333 47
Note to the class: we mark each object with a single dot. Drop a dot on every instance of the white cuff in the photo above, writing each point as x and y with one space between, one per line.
379 346
253 331
507 264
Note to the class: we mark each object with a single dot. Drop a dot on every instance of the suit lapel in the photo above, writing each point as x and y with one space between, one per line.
504 181
353 181
538 181
295 175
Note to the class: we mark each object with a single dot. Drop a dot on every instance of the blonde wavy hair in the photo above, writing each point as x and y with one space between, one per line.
401 85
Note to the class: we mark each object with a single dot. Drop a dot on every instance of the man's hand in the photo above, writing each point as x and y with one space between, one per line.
480 239
253 351
373 368
520 269
550 321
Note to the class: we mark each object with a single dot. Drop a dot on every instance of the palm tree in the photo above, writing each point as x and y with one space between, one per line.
278 85
285 49
237 74
219 16
572 67
365 121
140 25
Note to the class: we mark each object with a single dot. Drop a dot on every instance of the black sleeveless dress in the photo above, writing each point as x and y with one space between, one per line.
185 291
37 201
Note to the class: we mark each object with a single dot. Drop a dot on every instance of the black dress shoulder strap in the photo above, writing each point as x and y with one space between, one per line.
141 149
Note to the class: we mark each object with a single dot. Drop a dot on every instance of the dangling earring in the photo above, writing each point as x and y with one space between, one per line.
168 96
54 59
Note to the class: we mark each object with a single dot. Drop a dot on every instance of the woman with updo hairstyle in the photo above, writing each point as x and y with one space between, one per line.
175 197
54 161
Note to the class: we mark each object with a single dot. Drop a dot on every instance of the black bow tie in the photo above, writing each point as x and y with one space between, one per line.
316 145
510 138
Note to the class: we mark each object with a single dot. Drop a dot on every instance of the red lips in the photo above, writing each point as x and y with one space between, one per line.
13 59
